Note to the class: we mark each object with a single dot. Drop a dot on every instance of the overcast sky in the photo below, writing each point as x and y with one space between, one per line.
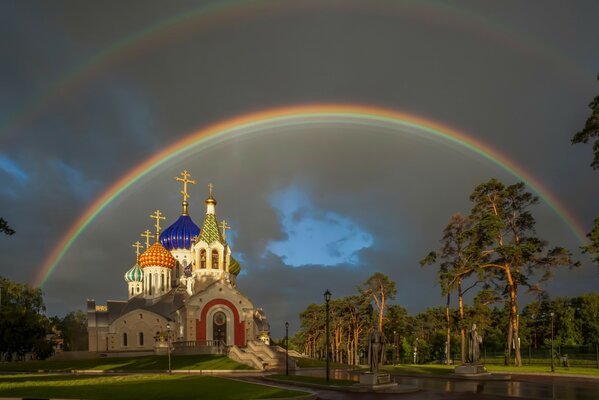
88 90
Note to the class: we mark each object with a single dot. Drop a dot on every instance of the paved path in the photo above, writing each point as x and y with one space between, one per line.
326 394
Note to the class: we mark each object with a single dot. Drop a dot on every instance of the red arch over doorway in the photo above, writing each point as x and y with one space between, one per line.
239 331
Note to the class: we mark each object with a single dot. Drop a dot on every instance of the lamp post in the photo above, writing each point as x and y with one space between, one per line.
168 343
287 348
552 364
394 347
327 299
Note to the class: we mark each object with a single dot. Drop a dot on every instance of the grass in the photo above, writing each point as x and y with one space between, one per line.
312 379
147 363
543 369
436 369
420 369
304 362
143 387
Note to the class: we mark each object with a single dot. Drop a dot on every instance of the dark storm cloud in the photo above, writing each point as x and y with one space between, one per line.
523 100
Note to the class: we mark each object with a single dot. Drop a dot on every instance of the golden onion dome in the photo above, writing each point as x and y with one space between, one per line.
157 256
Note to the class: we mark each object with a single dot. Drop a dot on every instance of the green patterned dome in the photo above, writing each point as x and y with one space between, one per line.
234 267
135 274
210 232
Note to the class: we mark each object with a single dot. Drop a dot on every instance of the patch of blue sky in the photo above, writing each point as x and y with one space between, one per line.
315 236
13 169
81 186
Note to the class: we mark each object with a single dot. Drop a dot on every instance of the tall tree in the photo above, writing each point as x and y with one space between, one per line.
4 228
591 130
593 247
457 264
22 324
379 288
504 226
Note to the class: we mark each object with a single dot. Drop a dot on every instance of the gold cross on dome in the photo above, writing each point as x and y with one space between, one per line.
147 234
210 187
157 216
137 246
186 175
224 227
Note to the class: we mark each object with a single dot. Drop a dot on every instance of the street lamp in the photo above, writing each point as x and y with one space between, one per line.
394 347
168 343
552 364
416 351
327 299
287 348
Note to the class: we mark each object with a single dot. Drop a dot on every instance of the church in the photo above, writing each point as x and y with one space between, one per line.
182 286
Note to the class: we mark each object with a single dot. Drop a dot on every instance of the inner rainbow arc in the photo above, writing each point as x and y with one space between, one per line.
300 114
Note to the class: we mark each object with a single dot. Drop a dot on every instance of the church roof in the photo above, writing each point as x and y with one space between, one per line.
234 267
135 274
180 234
157 256
210 231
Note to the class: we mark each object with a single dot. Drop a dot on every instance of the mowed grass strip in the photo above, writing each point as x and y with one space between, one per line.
312 379
147 363
132 387
436 369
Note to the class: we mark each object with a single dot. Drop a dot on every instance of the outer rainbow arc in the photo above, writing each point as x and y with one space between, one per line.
282 114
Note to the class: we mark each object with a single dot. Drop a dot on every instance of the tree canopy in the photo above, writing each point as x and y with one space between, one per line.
591 130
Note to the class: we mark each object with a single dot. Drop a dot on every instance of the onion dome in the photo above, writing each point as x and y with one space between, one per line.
180 234
135 274
234 267
157 256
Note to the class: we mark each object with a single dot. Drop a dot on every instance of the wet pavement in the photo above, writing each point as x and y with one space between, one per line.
520 386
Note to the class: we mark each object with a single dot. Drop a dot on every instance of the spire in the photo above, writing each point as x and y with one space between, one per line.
186 175
210 231
157 216
147 234
137 246
210 201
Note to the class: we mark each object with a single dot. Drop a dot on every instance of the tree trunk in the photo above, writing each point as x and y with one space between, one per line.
448 343
462 328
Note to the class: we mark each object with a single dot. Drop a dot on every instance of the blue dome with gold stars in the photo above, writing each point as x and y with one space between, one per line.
180 234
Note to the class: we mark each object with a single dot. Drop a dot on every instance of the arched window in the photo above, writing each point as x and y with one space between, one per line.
162 285
141 338
214 259
124 340
202 258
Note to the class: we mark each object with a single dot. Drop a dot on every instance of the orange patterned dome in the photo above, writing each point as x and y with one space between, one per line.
157 256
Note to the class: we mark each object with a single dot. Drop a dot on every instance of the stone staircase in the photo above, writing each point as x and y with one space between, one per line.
260 356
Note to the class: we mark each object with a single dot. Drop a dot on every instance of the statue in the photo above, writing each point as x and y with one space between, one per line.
376 350
474 342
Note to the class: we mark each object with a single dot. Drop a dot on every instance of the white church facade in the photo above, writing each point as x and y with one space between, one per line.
183 285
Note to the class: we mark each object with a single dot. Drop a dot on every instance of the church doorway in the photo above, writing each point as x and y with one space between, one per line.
219 326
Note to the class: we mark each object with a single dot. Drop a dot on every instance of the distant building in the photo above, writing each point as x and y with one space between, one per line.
186 279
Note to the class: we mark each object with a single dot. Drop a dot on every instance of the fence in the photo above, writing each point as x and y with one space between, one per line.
566 356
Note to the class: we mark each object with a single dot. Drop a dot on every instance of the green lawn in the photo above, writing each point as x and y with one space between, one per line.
132 387
436 369
147 363
420 369
312 379
304 362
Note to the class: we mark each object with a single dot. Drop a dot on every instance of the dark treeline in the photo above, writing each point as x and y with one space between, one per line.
423 337
26 331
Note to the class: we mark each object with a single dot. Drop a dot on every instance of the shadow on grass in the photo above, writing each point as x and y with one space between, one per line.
148 363
130 387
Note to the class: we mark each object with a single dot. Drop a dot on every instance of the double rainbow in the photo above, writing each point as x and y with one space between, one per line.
294 116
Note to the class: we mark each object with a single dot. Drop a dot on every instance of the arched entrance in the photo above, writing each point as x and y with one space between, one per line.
219 320
219 326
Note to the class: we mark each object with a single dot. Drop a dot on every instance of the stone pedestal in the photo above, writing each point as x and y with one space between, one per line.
470 369
376 381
